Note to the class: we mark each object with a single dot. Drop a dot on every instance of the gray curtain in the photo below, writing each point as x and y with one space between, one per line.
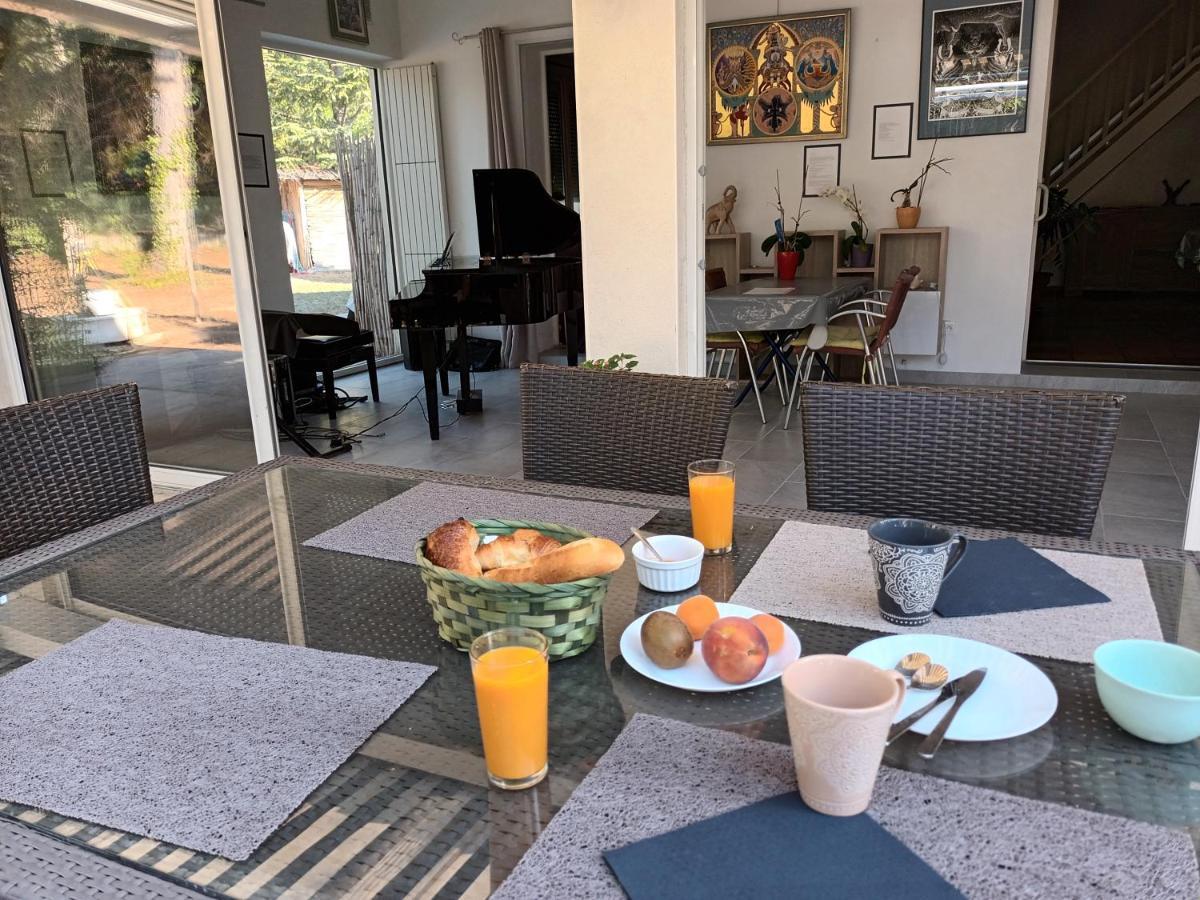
519 343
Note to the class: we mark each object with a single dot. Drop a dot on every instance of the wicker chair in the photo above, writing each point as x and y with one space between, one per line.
624 430
1021 460
70 462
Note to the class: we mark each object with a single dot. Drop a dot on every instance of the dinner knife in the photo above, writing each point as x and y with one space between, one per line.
967 683
967 686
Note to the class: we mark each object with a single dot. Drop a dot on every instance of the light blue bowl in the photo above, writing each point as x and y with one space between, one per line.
1150 688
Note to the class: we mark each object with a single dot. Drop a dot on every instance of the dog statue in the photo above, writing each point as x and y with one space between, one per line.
720 214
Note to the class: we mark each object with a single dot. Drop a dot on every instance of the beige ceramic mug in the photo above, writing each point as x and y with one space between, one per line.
838 711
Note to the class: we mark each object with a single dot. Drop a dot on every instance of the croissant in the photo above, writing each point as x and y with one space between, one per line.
453 546
515 549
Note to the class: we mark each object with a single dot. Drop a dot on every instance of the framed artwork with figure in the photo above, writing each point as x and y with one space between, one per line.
780 78
348 19
974 68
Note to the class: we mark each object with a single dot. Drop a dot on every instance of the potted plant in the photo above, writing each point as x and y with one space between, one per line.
908 215
789 247
856 250
1057 230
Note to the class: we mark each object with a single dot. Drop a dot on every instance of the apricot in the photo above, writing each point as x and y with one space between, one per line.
772 630
698 613
735 649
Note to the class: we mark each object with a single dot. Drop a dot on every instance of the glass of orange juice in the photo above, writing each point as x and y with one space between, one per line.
711 486
511 670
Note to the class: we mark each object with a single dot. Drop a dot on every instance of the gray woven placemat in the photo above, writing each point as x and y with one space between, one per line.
391 529
202 741
823 572
660 775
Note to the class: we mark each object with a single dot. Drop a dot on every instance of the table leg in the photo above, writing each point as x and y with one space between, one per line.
429 368
330 393
468 401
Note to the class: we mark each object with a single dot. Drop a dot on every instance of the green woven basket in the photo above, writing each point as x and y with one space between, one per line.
464 607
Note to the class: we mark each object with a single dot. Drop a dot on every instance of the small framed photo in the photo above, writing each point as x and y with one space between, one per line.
348 19
892 132
822 168
252 150
47 162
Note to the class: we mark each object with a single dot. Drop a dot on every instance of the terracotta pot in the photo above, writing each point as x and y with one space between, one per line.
908 216
786 263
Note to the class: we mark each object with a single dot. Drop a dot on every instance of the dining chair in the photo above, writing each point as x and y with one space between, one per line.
861 328
722 349
70 462
625 430
1009 458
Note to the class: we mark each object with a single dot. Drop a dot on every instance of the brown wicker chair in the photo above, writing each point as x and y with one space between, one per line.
1021 460
623 430
70 462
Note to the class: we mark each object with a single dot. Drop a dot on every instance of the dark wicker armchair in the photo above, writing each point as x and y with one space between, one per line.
1021 460
70 462
623 430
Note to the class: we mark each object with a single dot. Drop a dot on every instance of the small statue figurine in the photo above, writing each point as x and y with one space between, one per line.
720 214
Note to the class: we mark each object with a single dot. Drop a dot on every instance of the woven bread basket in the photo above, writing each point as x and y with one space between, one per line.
465 607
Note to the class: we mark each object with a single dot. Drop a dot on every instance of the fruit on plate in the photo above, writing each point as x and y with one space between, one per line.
735 649
772 630
666 640
698 613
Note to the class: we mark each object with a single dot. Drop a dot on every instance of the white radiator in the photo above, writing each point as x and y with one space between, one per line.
412 139
917 329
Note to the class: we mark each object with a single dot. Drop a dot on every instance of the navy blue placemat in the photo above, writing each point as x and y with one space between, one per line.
1006 576
778 847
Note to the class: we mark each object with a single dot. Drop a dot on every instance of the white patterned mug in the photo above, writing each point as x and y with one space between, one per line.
910 559
838 713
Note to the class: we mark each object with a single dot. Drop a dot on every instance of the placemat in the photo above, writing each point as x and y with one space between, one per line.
391 529
823 572
202 741
661 774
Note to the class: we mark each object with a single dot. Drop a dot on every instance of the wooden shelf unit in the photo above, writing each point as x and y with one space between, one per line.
730 252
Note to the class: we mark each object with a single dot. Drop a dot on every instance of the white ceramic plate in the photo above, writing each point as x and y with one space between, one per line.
694 675
1015 697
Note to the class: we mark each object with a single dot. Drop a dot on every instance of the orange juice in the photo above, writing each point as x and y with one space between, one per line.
512 685
712 511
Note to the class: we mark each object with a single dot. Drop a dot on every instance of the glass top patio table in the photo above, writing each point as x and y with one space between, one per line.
768 304
410 811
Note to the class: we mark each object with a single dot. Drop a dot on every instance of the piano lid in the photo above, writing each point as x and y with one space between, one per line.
516 216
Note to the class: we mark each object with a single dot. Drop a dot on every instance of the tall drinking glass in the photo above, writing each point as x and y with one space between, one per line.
711 487
511 670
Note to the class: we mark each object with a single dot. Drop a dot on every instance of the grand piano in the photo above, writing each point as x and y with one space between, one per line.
529 270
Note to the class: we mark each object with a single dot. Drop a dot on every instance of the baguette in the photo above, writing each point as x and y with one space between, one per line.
515 549
587 558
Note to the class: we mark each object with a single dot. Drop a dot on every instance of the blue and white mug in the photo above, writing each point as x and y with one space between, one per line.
911 558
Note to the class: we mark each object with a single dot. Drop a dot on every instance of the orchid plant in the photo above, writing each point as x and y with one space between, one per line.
848 197
795 241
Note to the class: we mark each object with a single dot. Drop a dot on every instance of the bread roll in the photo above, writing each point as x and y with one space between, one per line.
453 546
587 558
515 549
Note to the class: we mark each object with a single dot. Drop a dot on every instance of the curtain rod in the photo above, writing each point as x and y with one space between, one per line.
459 38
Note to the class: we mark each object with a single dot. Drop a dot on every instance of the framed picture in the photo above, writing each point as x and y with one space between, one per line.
891 136
47 162
348 19
974 67
252 150
822 168
781 78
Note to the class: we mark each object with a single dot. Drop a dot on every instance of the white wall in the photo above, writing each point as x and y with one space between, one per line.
988 202
425 27
301 26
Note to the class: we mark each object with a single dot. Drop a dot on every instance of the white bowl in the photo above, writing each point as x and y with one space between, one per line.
680 572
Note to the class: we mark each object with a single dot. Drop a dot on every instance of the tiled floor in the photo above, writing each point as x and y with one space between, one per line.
1144 501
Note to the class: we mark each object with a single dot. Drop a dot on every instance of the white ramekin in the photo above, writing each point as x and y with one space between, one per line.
680 573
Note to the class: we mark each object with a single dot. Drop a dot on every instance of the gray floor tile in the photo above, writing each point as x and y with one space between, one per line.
1135 425
779 447
756 481
1154 532
790 493
734 449
1143 496
1175 424
1140 457
1184 467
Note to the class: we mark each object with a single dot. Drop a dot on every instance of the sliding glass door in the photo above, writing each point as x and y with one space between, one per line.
112 238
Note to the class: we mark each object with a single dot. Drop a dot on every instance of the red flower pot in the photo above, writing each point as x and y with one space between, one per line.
786 263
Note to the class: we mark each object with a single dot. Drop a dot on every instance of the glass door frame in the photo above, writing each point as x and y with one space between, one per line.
13 386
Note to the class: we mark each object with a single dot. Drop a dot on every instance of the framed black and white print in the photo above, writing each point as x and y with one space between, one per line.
974 67
47 162
891 136
822 168
348 19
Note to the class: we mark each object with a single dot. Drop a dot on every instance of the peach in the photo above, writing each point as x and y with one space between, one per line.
735 649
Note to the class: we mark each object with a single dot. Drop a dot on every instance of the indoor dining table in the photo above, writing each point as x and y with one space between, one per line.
411 813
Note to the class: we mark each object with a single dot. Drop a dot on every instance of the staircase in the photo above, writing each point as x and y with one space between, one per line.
1107 117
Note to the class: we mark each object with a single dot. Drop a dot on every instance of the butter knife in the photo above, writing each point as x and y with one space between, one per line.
967 685
967 682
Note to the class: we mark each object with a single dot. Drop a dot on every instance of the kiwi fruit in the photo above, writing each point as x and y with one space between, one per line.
666 640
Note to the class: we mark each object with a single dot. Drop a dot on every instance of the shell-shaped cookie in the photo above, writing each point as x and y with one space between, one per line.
912 662
930 676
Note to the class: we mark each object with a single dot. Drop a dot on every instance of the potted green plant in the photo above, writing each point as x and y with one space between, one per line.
1057 230
857 251
908 214
790 246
